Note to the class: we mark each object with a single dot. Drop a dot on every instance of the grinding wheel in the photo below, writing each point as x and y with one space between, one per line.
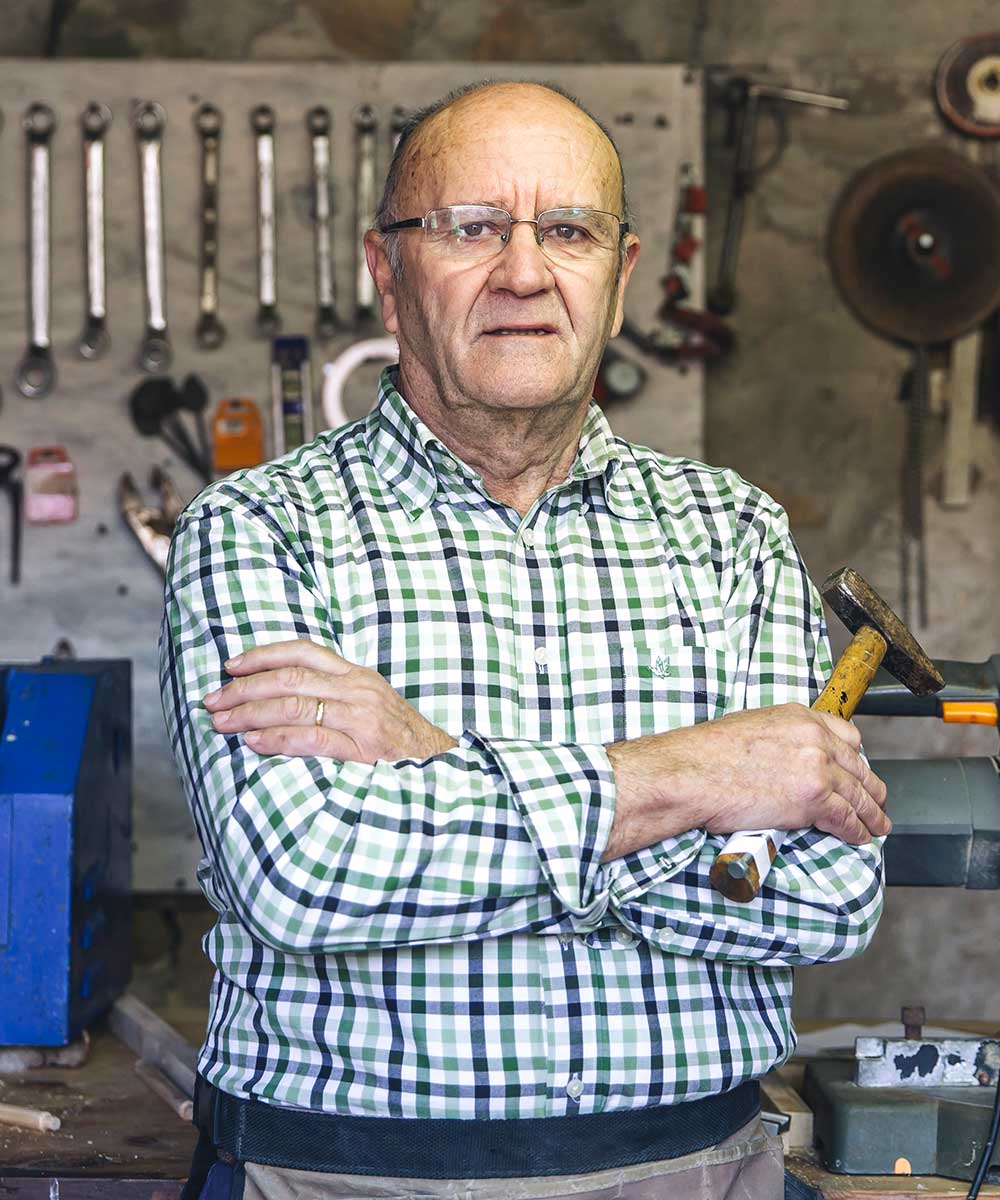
914 245
967 85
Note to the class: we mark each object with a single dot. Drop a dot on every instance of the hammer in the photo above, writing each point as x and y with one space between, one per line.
879 636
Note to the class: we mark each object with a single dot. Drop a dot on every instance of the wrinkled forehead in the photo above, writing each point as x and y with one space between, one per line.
518 147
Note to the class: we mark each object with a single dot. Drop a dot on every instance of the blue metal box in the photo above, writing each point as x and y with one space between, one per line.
65 846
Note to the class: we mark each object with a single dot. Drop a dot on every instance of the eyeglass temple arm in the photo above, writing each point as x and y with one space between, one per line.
412 223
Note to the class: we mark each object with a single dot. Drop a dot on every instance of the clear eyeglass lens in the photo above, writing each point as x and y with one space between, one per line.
477 231
468 230
577 232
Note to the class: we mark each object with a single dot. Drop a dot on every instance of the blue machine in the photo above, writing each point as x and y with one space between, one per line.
65 846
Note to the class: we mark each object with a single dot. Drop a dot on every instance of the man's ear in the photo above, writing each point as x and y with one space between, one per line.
385 281
628 265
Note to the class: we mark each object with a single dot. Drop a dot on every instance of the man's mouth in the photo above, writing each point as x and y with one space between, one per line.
521 331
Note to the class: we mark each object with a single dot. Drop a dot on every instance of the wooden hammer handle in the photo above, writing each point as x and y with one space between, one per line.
744 861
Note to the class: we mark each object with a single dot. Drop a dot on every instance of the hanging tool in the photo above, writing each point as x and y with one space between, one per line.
194 398
237 436
914 249
155 406
336 374
94 341
365 134
967 86
10 460
318 126
152 524
36 375
291 394
210 333
397 123
879 637
262 124
619 378
50 486
744 98
967 89
149 120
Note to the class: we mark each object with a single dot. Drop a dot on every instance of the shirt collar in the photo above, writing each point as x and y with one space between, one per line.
415 464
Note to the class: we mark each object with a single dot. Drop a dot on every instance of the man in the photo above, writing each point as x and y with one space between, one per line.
465 696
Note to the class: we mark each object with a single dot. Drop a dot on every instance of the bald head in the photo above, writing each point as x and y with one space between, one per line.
468 116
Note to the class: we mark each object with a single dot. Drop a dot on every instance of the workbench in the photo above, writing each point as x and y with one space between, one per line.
119 1139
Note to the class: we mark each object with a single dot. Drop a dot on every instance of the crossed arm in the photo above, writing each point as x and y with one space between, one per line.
377 827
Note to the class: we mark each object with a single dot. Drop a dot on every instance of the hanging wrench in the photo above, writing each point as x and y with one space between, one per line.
94 341
37 373
268 318
318 125
209 332
365 128
397 123
154 352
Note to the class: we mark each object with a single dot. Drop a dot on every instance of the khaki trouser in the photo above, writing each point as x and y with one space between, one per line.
746 1166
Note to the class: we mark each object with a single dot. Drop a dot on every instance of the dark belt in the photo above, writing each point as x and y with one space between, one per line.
433 1148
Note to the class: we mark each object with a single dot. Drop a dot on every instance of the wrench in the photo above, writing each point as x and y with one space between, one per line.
365 129
397 123
154 352
94 341
318 125
268 318
209 332
36 375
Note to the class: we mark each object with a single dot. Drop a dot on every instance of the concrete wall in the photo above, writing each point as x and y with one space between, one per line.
807 407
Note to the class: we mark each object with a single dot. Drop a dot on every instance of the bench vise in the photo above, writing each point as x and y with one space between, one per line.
65 846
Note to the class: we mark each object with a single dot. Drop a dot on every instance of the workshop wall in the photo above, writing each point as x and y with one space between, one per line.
807 405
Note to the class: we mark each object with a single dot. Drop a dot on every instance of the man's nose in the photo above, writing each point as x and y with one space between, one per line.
521 266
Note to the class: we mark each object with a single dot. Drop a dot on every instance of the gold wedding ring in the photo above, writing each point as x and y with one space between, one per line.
319 713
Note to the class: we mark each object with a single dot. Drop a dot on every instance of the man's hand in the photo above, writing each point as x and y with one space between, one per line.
274 701
786 767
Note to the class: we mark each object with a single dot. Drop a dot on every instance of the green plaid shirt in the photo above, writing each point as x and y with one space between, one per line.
439 938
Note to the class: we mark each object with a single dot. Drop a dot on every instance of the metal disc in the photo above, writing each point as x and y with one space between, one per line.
967 85
914 245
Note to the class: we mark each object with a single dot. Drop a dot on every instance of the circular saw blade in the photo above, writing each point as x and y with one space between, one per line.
967 85
914 245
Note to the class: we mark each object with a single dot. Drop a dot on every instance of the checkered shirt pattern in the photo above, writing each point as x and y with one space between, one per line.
440 938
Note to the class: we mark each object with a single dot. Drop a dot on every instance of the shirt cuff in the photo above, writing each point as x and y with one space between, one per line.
642 870
566 797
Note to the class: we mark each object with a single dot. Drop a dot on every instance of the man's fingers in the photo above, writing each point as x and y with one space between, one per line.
845 731
867 812
274 711
266 685
304 741
853 763
301 652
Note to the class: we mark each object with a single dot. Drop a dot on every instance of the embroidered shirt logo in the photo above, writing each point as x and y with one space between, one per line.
661 668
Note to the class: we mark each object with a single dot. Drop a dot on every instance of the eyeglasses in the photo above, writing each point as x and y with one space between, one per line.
475 231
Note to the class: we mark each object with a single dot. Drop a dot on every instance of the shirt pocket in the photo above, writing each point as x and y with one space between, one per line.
672 683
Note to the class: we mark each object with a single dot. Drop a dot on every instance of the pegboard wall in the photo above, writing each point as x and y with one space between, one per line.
89 581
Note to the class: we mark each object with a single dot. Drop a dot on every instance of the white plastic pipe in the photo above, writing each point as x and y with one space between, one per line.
335 374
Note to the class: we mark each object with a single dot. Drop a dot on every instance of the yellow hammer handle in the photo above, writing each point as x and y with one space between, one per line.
744 861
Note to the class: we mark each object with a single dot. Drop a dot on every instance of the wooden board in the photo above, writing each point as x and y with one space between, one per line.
115 1131
90 581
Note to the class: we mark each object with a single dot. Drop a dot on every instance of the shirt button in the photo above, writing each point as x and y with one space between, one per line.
541 656
528 538
574 1089
623 936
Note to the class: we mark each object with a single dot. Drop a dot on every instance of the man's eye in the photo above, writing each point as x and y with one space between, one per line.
474 230
569 233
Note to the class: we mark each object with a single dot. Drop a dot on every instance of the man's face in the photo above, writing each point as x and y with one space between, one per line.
515 330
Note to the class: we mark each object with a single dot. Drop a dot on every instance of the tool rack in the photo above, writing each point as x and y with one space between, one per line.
89 581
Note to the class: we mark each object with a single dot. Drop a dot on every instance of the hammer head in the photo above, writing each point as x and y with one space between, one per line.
857 603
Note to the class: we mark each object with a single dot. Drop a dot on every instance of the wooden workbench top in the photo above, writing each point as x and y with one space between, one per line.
116 1135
